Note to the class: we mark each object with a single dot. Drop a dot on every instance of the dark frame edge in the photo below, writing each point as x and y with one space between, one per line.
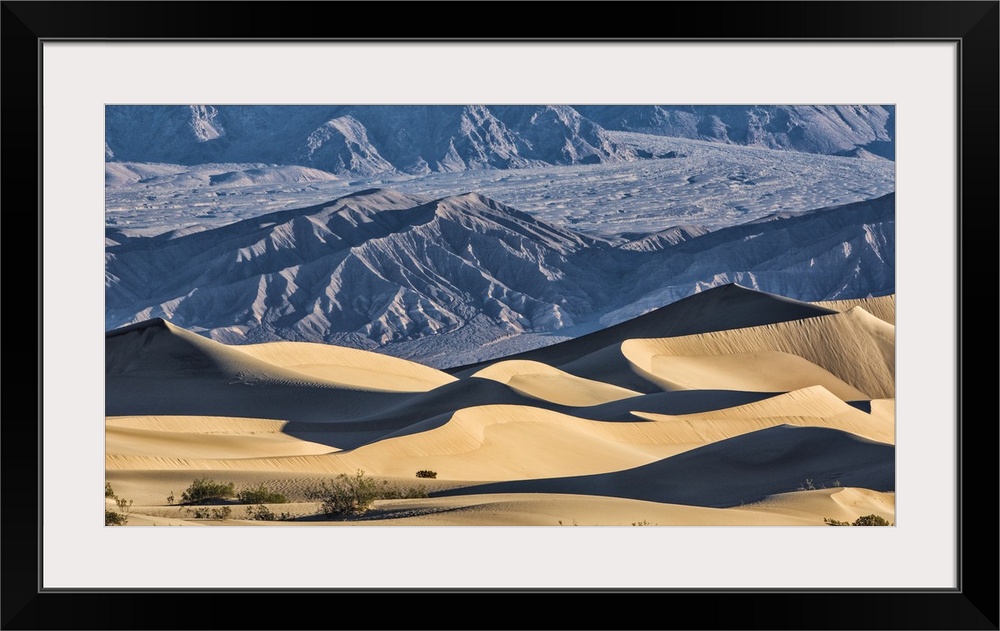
21 154
978 164
972 606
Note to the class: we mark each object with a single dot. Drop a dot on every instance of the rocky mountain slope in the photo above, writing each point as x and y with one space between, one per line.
418 139
421 277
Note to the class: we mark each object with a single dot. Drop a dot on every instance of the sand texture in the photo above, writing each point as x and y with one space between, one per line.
729 408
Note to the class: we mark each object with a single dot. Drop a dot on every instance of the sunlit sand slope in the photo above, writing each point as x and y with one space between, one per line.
349 367
854 347
813 406
540 381
882 307
597 355
203 437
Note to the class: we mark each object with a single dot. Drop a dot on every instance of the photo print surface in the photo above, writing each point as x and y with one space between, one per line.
500 315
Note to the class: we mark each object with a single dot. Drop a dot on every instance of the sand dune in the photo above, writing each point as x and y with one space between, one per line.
518 443
718 309
158 348
419 411
882 307
144 442
815 406
841 504
156 368
761 371
714 410
807 508
734 471
197 424
598 356
349 367
544 509
853 346
799 508
497 442
540 381
679 402
815 401
796 508
884 409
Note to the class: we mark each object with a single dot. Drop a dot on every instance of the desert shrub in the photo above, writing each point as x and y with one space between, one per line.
866 520
124 506
354 495
871 520
210 513
427 473
260 495
263 513
116 517
807 486
205 490
346 495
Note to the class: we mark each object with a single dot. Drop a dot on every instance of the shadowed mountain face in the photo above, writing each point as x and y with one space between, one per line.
380 268
366 140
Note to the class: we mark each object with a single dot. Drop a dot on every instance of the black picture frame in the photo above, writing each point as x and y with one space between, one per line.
973 605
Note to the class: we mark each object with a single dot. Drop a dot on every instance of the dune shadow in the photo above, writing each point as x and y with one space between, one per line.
731 472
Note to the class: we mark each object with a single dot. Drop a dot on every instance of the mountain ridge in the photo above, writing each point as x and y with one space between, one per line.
379 269
421 139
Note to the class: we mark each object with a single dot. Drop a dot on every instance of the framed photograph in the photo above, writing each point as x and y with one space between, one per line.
394 318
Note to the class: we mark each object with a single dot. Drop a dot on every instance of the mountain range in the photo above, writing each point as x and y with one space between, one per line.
825 129
366 140
465 278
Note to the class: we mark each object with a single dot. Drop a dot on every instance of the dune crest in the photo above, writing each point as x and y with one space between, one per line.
760 371
882 307
852 346
814 406
838 503
540 381
349 367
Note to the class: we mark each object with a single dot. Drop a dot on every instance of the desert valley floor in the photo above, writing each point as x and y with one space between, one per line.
730 407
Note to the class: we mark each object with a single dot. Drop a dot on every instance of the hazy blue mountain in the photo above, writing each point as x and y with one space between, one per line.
367 140
361 140
826 129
